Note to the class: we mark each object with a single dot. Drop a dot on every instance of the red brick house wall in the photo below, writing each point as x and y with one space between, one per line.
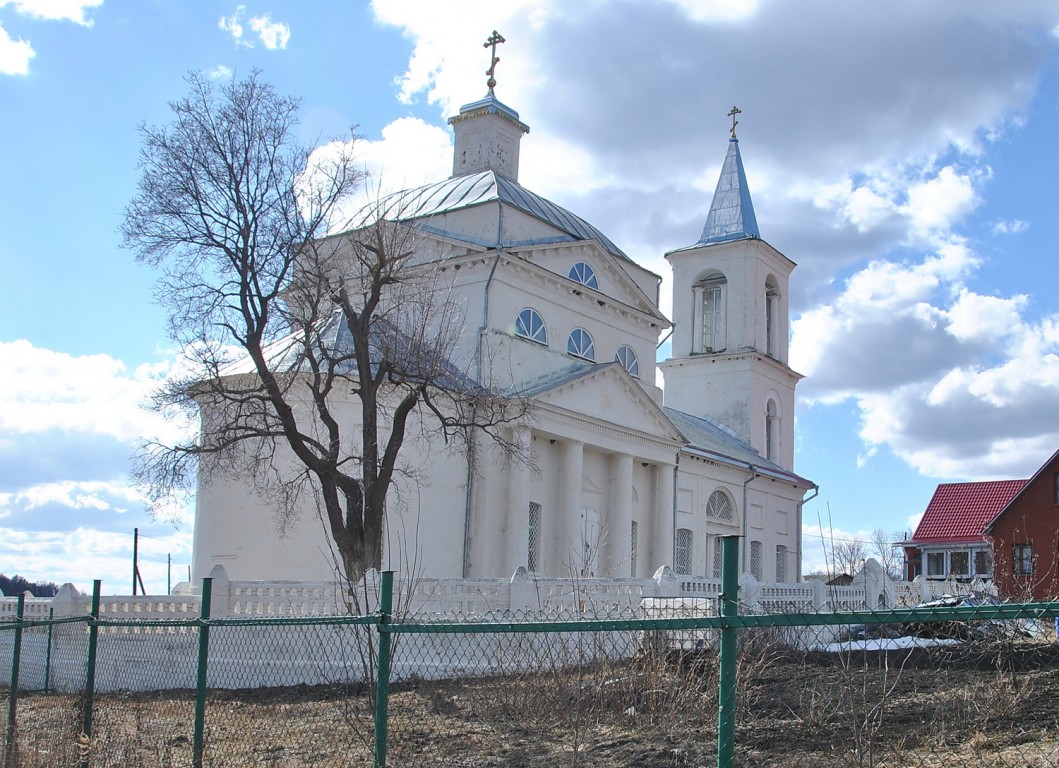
1026 539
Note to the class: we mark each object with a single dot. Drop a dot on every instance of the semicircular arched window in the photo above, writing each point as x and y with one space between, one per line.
580 344
719 507
530 325
628 360
584 274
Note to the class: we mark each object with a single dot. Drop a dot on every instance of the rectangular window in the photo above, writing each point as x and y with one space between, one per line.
959 564
756 552
712 318
781 563
718 556
935 565
1022 556
534 553
632 551
682 555
983 562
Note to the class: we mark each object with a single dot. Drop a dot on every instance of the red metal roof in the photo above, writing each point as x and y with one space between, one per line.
960 511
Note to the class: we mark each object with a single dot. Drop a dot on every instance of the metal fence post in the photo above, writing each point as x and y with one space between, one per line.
47 654
90 673
200 686
12 696
728 653
382 687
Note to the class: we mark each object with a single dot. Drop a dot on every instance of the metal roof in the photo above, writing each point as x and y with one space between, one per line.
958 512
731 214
460 192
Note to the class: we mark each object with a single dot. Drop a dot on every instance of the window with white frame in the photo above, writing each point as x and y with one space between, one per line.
781 563
771 422
936 565
756 556
627 358
682 553
1022 557
712 331
530 325
719 506
584 274
718 556
983 562
533 555
580 344
960 563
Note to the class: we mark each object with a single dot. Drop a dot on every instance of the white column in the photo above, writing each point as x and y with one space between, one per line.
696 322
566 554
619 517
663 511
517 533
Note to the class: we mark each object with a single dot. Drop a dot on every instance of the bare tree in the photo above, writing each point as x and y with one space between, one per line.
314 355
883 547
847 556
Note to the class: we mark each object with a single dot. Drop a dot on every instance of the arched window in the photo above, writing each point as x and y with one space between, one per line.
772 302
529 325
580 344
584 274
628 360
711 333
771 423
719 506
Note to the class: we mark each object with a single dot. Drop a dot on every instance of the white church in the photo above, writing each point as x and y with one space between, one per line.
624 477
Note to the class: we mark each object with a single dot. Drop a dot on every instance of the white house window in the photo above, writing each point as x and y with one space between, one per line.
756 556
580 344
533 555
936 565
632 551
719 507
628 360
960 563
584 274
718 556
781 563
1022 555
530 325
710 329
983 562
682 555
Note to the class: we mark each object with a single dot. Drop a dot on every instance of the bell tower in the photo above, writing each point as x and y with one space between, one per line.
731 323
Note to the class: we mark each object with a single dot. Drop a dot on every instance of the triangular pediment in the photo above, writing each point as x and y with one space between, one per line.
609 395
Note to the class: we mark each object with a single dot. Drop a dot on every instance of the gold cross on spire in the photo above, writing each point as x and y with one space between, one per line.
494 38
735 111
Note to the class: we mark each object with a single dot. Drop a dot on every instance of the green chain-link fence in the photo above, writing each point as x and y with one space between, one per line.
668 683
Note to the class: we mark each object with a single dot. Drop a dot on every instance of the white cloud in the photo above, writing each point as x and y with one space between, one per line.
14 55
47 390
221 72
56 10
1013 227
274 35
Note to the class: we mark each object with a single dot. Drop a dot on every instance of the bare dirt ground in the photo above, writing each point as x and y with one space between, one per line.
983 704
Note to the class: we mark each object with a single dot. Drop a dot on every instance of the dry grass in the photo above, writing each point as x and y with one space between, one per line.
973 706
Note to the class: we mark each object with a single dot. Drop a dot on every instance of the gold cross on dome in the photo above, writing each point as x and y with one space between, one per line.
494 38
735 111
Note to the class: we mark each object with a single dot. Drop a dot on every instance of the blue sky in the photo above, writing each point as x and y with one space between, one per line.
902 153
